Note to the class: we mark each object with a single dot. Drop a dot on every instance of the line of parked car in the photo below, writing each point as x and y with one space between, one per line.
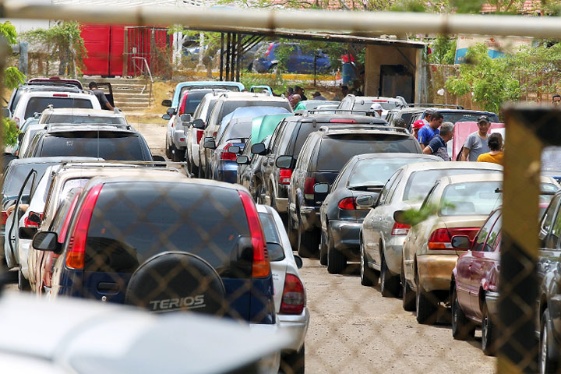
351 187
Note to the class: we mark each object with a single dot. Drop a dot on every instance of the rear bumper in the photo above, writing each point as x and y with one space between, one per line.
179 139
296 326
345 235
393 253
270 363
435 271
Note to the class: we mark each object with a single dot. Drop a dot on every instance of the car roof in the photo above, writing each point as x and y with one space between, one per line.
452 165
367 156
49 160
147 175
52 94
335 118
252 95
53 128
93 169
84 112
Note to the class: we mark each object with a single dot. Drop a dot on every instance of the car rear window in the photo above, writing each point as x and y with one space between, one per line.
16 175
105 144
471 198
335 151
272 236
38 104
135 221
420 182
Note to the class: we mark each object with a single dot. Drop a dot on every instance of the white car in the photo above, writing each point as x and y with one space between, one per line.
35 102
290 293
81 336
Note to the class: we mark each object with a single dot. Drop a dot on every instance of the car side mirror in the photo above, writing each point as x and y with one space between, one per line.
242 160
284 162
259 149
199 124
171 111
46 241
167 117
209 143
460 242
166 103
299 262
234 149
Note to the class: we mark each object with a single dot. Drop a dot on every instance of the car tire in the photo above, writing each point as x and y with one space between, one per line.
368 276
23 283
178 154
323 250
169 153
389 284
488 333
294 362
462 327
407 295
181 276
308 242
292 234
336 260
548 358
426 306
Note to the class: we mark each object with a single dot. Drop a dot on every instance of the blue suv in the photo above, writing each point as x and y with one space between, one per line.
300 60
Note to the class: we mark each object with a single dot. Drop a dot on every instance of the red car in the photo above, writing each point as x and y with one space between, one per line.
474 286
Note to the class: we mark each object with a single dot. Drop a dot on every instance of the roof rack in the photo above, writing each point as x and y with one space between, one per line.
433 105
362 126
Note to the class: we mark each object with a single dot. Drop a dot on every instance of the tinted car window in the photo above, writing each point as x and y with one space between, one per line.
335 151
271 235
421 182
38 104
109 145
181 218
15 176
374 172
481 237
465 117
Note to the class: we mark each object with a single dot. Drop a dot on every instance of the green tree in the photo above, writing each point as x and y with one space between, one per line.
443 50
61 42
12 78
490 81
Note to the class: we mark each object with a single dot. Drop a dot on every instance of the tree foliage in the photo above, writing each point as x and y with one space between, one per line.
12 78
62 42
443 50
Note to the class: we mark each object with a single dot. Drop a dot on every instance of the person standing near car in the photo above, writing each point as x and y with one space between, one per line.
477 142
429 131
300 91
495 155
437 145
556 99
105 104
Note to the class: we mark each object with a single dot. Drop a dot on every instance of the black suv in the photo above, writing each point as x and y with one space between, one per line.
287 140
322 156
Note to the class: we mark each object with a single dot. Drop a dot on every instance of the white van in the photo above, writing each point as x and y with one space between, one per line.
35 102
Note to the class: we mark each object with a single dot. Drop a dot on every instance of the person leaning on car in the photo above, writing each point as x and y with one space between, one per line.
476 142
437 145
105 104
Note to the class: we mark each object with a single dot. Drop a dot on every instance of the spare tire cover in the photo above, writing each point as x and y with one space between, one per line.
176 281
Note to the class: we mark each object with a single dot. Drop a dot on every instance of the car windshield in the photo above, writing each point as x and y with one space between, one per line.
420 182
471 198
114 146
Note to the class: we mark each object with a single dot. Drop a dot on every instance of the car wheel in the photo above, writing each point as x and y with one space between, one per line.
322 250
294 362
308 242
462 327
177 275
178 154
426 306
488 333
407 295
389 284
168 150
368 276
548 359
336 260
23 283
292 234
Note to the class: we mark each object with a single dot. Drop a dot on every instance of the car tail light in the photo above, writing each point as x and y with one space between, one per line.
284 176
342 120
224 155
261 266
293 295
441 238
33 219
199 135
77 242
309 188
348 203
4 217
60 95
400 229
182 139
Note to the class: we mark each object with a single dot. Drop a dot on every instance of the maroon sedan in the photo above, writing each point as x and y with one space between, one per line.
474 286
